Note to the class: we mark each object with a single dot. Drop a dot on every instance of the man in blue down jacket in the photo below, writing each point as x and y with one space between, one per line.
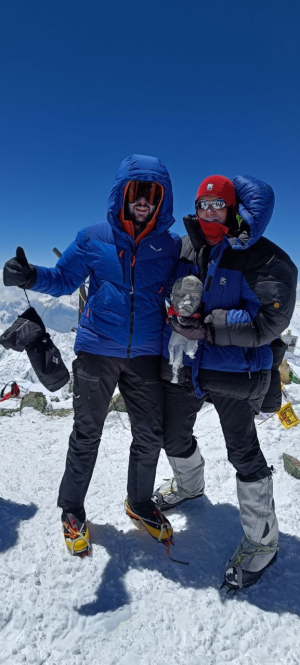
248 300
129 260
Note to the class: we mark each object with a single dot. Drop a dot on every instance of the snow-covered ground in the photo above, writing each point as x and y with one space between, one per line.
128 604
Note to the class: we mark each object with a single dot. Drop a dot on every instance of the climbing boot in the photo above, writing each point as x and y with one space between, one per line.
187 482
259 545
151 517
76 535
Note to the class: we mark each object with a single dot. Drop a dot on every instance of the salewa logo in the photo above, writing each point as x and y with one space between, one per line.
223 281
156 249
76 396
210 186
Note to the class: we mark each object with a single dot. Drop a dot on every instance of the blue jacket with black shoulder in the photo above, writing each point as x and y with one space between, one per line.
249 286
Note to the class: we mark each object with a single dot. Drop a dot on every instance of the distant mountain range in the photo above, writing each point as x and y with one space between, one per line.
59 314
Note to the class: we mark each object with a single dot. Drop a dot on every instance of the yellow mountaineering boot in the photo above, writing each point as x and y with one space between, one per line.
153 520
76 535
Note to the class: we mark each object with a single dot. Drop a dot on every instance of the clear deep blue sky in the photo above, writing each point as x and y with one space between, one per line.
209 87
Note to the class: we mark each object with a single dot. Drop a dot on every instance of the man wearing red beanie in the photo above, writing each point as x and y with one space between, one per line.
249 290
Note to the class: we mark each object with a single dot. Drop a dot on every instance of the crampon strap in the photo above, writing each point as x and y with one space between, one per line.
254 549
167 544
74 536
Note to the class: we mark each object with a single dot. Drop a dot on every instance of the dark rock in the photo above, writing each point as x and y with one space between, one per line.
117 404
34 400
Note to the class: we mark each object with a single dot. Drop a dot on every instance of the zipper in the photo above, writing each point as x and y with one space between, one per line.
208 285
132 264
211 277
245 354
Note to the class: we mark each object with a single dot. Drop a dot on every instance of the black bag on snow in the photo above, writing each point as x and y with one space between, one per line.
273 398
28 333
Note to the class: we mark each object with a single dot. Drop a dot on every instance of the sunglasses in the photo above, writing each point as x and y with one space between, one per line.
217 204
151 191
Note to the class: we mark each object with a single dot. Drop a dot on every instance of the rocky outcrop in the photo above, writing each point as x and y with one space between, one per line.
34 400
38 401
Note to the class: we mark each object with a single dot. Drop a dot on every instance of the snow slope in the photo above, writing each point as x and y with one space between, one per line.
128 604
295 322
59 314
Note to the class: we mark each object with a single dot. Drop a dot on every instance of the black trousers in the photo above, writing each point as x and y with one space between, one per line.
95 379
236 419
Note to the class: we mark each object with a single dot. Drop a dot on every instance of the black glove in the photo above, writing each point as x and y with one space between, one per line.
189 321
18 272
28 333
25 331
192 328
191 219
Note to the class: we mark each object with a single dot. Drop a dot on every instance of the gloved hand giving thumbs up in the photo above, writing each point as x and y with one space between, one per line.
18 272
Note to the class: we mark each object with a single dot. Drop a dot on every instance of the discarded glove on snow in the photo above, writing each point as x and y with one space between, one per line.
28 333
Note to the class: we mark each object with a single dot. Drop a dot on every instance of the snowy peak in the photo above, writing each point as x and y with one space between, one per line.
60 314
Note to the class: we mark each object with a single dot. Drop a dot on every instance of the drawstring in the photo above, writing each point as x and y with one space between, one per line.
121 255
46 307
167 544
27 297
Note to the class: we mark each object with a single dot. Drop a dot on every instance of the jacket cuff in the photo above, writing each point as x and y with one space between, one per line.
32 277
38 279
220 329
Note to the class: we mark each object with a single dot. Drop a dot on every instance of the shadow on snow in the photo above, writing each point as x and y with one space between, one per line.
210 536
11 514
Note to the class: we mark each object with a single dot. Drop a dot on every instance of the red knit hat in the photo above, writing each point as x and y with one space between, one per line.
218 186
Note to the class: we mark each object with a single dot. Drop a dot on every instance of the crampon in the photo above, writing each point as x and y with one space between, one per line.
76 535
156 524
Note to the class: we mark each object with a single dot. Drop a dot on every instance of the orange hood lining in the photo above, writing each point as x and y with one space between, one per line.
128 224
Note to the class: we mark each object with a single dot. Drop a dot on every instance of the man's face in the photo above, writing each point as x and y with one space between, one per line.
141 211
142 200
211 215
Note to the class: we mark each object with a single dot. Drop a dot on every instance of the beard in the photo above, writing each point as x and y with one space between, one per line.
133 218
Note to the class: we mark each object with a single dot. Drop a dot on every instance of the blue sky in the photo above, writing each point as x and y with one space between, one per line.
207 87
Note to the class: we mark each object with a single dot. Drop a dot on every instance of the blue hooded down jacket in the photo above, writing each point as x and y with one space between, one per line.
125 310
249 287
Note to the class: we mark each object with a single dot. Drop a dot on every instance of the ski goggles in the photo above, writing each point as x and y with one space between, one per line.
217 204
138 189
